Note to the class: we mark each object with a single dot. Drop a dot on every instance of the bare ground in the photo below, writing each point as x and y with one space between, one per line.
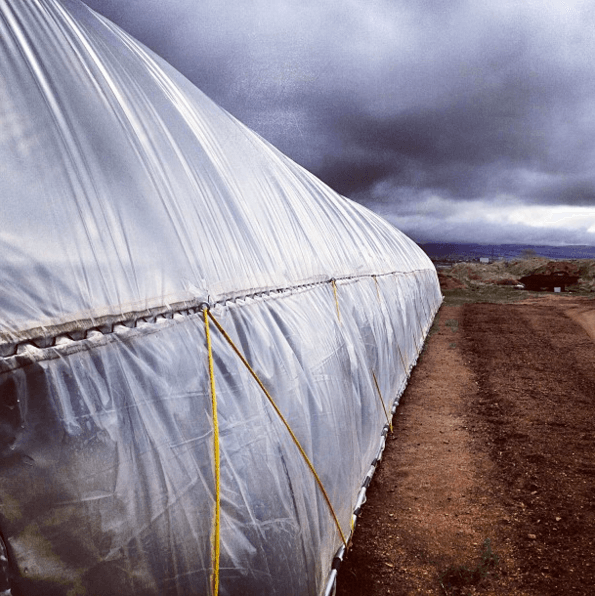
487 485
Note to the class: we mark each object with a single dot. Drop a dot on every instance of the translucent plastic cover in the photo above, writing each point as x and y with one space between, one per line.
130 202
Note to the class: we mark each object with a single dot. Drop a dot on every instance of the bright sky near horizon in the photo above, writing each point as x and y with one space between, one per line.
457 120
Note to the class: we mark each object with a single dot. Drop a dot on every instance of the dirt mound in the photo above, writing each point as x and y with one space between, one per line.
554 274
558 268
447 282
507 281
579 273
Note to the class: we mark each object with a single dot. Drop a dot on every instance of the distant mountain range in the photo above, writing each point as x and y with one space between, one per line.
469 252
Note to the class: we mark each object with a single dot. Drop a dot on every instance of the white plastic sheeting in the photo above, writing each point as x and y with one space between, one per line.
129 202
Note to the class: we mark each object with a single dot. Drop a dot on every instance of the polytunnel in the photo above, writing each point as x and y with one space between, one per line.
201 344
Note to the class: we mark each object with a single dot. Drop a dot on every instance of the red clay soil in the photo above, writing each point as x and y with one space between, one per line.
448 282
487 485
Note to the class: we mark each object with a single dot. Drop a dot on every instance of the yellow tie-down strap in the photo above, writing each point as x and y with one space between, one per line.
390 424
334 283
216 533
209 315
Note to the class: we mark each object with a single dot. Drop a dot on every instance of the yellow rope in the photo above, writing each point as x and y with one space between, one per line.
402 360
390 424
215 536
336 298
377 287
295 439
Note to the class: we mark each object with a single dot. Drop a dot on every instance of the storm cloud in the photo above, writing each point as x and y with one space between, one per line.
456 120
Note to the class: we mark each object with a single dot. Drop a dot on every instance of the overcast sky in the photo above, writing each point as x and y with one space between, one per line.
463 121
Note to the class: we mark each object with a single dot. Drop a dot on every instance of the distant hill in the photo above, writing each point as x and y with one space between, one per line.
470 252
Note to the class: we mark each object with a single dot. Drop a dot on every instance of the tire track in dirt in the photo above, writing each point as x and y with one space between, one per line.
430 505
535 369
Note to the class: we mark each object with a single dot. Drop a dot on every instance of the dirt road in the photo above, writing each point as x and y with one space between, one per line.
487 485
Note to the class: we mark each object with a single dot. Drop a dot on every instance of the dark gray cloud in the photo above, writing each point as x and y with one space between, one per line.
395 103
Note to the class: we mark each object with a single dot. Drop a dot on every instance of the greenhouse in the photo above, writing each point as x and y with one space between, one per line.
201 344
